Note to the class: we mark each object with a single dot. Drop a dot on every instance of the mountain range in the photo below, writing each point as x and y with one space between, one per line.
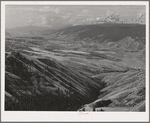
98 67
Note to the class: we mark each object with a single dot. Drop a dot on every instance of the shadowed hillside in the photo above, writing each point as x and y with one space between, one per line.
40 77
124 91
101 32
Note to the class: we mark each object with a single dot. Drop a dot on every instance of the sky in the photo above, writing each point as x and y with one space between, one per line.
62 15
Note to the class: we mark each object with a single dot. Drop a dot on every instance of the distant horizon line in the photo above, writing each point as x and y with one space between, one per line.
76 25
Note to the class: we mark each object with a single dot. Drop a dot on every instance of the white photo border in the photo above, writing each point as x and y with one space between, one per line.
45 116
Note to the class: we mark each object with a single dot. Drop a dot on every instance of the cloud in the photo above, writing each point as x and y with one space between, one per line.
49 9
111 16
32 9
56 11
71 20
31 21
45 9
98 18
50 20
44 19
139 15
91 19
88 20
109 13
85 11
66 16
75 24
54 19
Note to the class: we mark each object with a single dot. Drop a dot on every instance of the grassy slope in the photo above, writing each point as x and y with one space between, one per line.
126 90
24 75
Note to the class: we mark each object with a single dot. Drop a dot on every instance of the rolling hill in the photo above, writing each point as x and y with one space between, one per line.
98 36
100 32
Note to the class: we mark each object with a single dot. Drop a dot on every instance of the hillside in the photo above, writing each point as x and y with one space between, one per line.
26 31
86 67
101 32
124 91
36 77
7 35
91 37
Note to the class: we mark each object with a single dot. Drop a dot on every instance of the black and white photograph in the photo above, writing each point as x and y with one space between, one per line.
75 58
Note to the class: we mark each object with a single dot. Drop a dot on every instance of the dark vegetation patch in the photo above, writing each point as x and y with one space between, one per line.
103 103
30 82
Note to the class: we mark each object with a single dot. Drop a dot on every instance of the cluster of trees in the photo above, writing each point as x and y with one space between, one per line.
16 66
57 100
44 102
